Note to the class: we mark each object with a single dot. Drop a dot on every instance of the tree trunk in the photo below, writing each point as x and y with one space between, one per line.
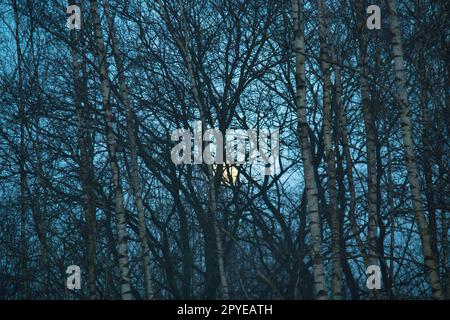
111 141
349 164
85 166
369 126
390 206
134 173
320 291
413 176
330 154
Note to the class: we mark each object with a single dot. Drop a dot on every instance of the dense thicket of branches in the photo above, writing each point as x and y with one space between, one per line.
86 175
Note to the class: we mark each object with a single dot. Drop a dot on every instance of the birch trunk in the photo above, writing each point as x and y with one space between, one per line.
86 167
319 286
134 173
369 127
111 141
413 176
330 154
390 204
427 150
212 204
371 162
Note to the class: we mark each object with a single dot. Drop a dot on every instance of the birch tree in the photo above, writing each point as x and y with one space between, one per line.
329 151
408 144
320 291
369 127
111 141
86 165
134 174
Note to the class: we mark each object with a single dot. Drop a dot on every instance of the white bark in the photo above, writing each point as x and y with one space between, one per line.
111 140
329 154
320 291
134 174
413 176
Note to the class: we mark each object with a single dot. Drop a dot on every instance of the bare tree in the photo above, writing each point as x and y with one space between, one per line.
111 139
320 291
413 175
